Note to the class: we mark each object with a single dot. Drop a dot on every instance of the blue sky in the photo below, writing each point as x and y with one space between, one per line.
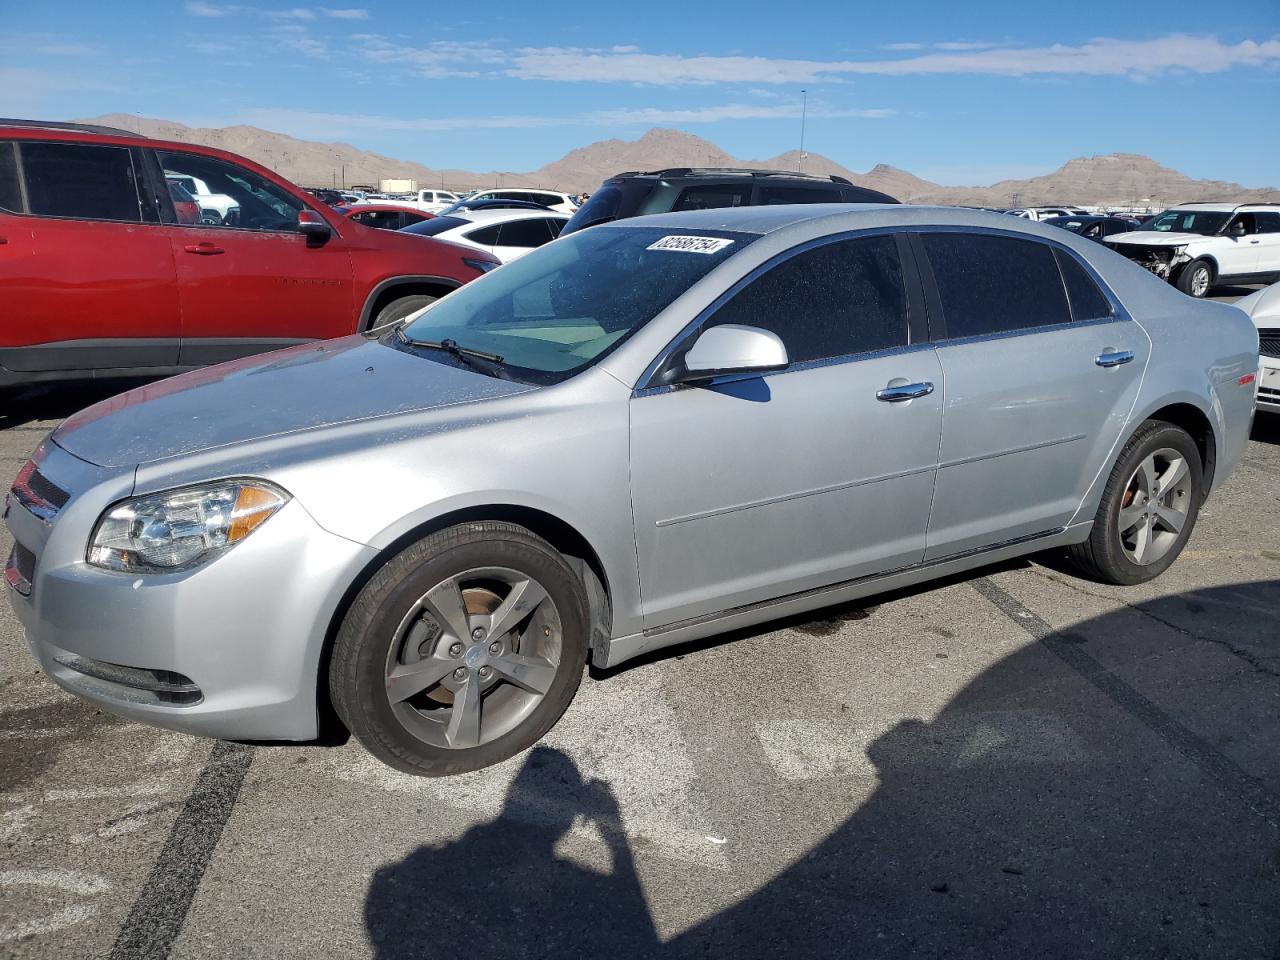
954 92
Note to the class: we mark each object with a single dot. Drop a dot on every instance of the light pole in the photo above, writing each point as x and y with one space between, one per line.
804 110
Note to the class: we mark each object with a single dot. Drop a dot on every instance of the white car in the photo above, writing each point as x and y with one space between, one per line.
551 199
429 201
507 234
1263 308
1044 213
214 207
1197 246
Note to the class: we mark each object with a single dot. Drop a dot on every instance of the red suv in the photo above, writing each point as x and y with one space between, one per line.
106 270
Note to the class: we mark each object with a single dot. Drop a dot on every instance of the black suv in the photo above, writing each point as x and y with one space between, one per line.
635 194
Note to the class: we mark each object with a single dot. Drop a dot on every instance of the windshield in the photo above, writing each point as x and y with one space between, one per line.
564 306
1204 222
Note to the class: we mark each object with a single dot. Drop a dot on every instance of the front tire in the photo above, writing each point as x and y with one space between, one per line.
462 651
397 310
1148 510
1196 279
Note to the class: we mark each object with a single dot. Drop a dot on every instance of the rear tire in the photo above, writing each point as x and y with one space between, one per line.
1155 486
1196 279
397 310
462 651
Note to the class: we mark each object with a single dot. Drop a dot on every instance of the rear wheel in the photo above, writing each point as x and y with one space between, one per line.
1196 278
397 310
465 649
1148 509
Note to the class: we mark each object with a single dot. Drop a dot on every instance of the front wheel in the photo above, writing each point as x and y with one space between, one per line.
465 649
1196 278
397 310
1148 509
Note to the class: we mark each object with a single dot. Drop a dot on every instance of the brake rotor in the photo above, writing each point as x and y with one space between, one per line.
479 601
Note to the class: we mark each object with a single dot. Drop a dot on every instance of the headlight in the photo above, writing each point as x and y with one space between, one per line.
177 529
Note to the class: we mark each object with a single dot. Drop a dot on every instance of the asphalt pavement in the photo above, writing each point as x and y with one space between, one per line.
1013 763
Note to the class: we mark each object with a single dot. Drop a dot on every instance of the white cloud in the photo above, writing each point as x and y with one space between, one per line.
345 13
441 58
198 8
730 111
292 13
1101 57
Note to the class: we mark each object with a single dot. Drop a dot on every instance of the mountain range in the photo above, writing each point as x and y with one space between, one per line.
1117 179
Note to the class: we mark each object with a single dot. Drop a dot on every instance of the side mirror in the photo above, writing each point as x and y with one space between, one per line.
312 226
731 348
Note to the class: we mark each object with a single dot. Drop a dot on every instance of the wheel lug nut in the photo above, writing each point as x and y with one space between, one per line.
485 673
477 633
455 650
460 673
495 647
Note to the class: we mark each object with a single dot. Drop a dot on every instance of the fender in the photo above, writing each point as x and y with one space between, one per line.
399 281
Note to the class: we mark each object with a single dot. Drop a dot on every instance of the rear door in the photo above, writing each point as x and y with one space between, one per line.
253 282
750 488
1268 241
1042 369
87 272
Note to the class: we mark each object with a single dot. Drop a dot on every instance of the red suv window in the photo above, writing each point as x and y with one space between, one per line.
80 180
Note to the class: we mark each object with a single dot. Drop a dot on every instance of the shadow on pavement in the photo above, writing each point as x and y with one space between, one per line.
1266 428
1050 810
56 401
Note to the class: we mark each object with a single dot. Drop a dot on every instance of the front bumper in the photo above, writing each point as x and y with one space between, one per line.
1269 385
230 649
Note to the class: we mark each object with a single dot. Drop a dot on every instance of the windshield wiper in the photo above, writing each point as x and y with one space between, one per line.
489 363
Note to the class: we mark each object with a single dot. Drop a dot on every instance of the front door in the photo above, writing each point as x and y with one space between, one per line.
252 282
753 488
1042 372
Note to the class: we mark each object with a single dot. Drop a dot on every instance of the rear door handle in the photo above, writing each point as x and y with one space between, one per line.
908 391
1113 358
205 249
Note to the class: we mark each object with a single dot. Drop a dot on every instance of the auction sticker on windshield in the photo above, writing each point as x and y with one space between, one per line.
690 244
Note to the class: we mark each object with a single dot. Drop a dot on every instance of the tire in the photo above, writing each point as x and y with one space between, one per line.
1196 278
1115 551
398 632
397 310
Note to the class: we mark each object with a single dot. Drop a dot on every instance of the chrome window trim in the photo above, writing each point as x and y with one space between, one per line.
646 386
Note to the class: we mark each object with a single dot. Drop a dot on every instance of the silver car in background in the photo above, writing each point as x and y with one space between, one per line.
639 435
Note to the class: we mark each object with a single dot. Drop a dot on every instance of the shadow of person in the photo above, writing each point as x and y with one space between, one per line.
502 890
1109 792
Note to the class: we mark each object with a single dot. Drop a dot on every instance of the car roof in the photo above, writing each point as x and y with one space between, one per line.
1227 207
489 216
835 218
552 193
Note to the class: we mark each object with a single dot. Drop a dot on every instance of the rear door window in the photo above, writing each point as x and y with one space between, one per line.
485 236
835 300
524 233
80 180
1087 301
771 195
991 284
711 197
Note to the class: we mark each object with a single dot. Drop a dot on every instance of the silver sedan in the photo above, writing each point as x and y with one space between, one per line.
639 435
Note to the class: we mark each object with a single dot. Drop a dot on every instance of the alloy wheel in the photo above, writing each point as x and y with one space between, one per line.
1154 507
1200 281
473 657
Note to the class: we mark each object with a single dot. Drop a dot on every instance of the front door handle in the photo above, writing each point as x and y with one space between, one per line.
204 249
907 391
1113 358
4 240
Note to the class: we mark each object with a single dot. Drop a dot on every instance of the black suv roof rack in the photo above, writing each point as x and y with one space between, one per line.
729 172
63 125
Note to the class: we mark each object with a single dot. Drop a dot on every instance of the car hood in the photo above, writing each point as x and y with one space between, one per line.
301 388
1263 306
1153 238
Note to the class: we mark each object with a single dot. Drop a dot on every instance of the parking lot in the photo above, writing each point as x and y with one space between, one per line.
1014 763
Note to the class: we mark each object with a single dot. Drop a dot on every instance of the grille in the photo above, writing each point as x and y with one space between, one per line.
1269 343
38 493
